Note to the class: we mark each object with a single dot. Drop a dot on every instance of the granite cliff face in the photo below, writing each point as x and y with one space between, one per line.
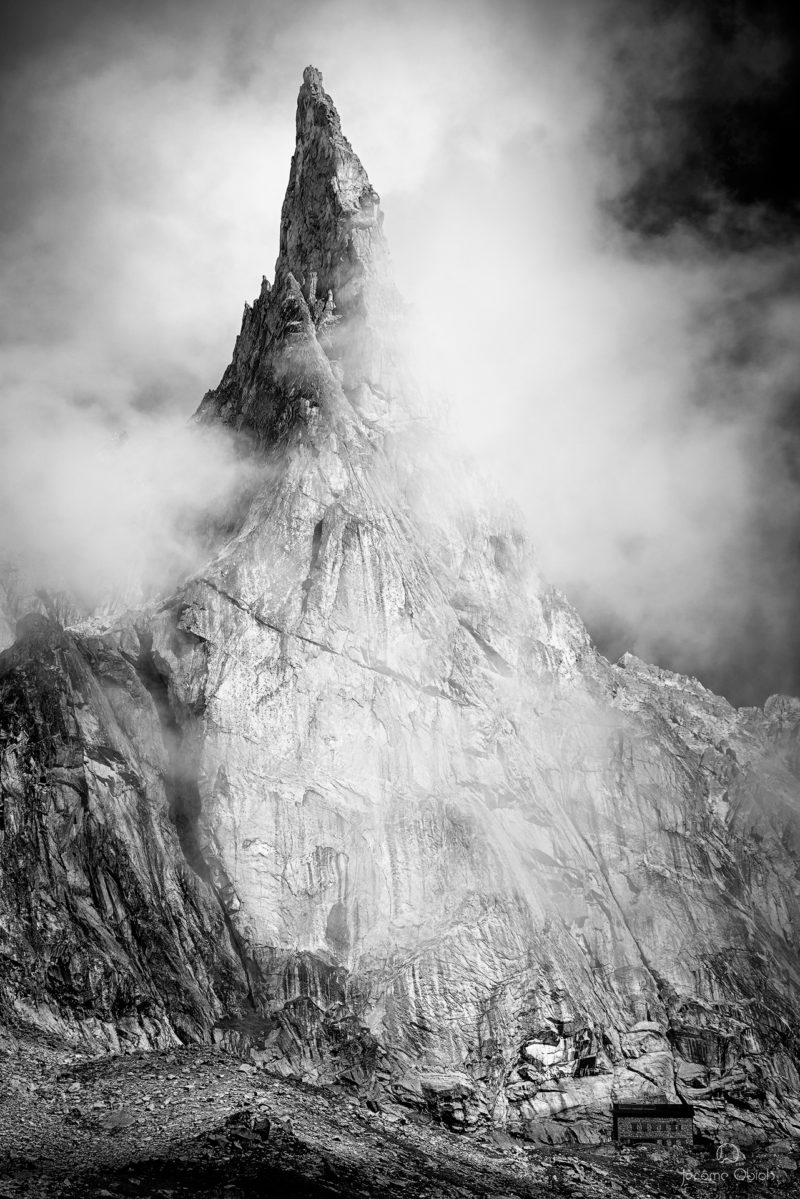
362 794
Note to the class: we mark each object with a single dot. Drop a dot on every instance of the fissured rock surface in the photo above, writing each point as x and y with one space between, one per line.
383 813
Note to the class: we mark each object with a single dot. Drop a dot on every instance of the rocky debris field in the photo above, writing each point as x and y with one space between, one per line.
196 1121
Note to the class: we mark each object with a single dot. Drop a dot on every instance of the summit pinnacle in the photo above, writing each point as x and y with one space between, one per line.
331 223
333 292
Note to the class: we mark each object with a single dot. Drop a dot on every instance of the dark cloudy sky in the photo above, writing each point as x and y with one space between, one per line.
593 205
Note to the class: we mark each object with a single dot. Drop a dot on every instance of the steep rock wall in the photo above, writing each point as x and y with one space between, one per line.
392 817
416 768
107 936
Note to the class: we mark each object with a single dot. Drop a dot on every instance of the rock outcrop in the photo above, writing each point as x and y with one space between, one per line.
363 794
108 937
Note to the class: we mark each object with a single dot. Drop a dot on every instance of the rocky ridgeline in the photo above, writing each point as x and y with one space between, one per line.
362 802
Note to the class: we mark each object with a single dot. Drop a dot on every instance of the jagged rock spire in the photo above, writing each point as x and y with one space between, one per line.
324 326
331 223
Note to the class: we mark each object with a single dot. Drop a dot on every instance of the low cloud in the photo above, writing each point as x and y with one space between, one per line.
630 382
100 512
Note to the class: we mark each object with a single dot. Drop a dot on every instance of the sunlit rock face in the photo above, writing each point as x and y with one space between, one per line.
451 852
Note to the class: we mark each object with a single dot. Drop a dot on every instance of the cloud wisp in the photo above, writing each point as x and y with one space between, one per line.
112 516
631 384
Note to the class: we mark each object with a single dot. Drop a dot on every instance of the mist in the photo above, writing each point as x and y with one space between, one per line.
629 376
113 517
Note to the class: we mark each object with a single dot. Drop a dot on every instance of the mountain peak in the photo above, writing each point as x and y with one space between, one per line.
375 805
314 102
312 78
333 306
331 222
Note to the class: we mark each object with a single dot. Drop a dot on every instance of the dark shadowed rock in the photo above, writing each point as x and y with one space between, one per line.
108 936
